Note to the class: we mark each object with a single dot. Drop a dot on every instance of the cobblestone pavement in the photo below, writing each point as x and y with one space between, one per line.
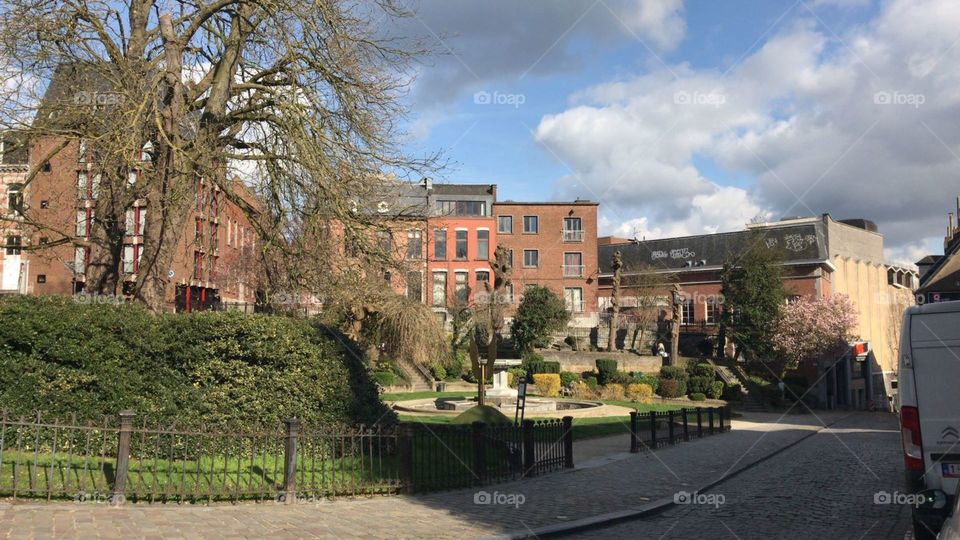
824 487
622 484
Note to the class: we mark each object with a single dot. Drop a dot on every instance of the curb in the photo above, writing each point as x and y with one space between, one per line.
649 509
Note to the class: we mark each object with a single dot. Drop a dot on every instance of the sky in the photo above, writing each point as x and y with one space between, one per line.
689 117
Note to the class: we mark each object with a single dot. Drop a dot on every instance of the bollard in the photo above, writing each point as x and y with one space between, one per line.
653 429
634 425
123 456
670 426
710 418
568 442
699 422
290 461
686 428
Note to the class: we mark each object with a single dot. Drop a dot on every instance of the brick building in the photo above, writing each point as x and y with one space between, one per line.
553 244
940 274
821 256
13 171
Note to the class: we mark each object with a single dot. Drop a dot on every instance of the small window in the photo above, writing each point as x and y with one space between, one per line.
385 241
439 288
46 167
440 244
572 264
414 245
13 245
505 224
460 288
531 225
15 199
713 312
41 278
686 312
44 240
461 247
573 297
483 278
531 258
44 204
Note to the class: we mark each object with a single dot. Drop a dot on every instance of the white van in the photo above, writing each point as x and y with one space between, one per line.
929 386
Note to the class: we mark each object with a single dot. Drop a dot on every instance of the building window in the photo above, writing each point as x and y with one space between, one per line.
414 245
44 240
508 293
462 208
80 255
415 286
136 220
505 224
439 288
461 245
483 277
200 196
213 236
82 151
385 241
483 245
44 204
132 177
41 278
460 290
531 258
146 153
572 229
440 244
15 199
83 184
46 167
213 266
84 222
197 265
13 245
572 264
198 234
686 312
573 296
388 277
713 312
510 257
531 225
131 258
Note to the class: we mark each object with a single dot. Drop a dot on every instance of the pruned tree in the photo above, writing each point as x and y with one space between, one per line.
648 291
298 98
489 313
616 263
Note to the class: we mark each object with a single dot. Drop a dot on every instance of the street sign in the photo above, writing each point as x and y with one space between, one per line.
521 400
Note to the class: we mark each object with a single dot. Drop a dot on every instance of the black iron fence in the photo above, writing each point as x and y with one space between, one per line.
670 427
122 458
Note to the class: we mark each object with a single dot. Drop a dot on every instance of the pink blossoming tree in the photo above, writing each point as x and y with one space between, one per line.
813 328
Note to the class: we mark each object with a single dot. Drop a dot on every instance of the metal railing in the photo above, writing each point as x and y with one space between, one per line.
115 459
655 429
572 235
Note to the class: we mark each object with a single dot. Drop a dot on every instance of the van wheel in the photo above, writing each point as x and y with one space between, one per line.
922 531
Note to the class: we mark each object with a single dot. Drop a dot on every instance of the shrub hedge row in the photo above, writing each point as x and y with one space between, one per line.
60 356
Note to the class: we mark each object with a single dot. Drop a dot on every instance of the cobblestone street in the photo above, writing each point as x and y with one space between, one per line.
818 488
825 487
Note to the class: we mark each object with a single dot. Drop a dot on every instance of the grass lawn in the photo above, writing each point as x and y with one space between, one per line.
404 396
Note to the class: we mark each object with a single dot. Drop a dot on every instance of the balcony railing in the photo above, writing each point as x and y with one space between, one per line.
575 306
572 270
572 235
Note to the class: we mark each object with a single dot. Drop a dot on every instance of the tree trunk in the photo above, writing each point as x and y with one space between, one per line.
617 264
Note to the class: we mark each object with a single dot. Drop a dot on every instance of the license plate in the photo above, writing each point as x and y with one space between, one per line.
951 470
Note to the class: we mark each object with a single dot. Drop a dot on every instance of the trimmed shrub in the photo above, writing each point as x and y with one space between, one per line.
702 369
540 313
675 373
697 396
607 369
531 356
384 378
514 374
592 382
612 392
699 385
732 392
438 371
61 356
481 413
650 380
639 392
671 388
456 365
567 378
716 389
548 384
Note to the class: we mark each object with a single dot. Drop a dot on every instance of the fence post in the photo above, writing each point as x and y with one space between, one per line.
529 449
720 418
123 456
710 418
568 442
670 425
290 460
699 422
653 429
686 428
406 458
479 452
634 427
729 416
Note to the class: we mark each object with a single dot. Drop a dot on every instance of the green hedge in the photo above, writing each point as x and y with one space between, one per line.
607 369
60 356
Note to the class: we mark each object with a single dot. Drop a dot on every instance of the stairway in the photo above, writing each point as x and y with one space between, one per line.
748 403
420 379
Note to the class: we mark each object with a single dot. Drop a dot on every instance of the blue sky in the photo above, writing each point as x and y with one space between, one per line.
690 117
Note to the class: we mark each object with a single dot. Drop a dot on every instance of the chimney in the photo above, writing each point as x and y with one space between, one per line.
427 183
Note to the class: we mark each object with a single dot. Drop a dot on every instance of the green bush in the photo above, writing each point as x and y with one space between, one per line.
516 374
643 378
732 392
607 369
702 369
716 389
61 357
540 314
699 385
671 388
384 378
456 364
592 382
534 367
675 373
567 378
438 371
697 396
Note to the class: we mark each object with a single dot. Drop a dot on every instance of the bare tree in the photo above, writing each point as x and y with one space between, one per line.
297 97
650 292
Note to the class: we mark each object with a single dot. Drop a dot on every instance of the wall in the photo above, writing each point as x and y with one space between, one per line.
578 362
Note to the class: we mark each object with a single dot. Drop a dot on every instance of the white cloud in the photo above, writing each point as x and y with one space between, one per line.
859 126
